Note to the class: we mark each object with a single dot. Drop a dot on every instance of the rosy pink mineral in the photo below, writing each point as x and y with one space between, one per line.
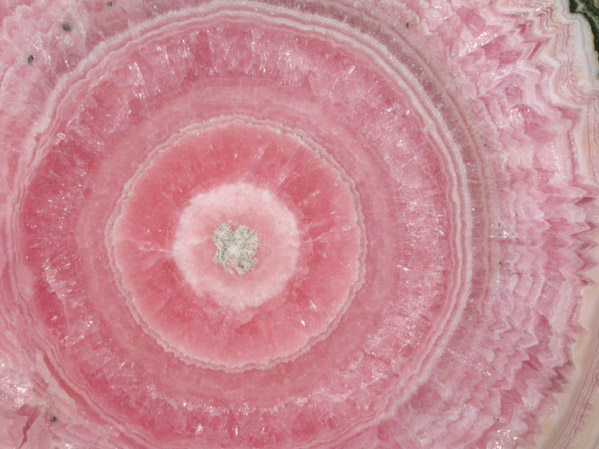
297 224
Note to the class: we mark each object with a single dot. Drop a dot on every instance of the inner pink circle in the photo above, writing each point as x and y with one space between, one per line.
291 195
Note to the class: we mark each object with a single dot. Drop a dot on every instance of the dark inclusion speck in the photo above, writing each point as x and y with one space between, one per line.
109 4
66 26
53 419
30 59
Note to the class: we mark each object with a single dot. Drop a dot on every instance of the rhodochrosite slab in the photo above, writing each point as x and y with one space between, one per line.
295 224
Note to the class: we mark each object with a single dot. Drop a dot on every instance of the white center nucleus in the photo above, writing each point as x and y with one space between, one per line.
235 249
218 251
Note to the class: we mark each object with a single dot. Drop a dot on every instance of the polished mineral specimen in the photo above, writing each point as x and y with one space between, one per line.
298 224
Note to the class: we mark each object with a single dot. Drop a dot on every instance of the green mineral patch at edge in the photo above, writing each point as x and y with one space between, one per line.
590 11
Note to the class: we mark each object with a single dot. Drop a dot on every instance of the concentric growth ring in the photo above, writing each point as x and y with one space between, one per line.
246 215
244 211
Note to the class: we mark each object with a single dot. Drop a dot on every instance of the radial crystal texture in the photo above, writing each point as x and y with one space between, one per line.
298 224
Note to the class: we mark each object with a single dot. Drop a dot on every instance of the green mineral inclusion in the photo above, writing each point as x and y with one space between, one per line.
589 9
235 250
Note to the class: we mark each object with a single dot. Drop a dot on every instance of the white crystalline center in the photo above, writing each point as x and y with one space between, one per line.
219 235
235 250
